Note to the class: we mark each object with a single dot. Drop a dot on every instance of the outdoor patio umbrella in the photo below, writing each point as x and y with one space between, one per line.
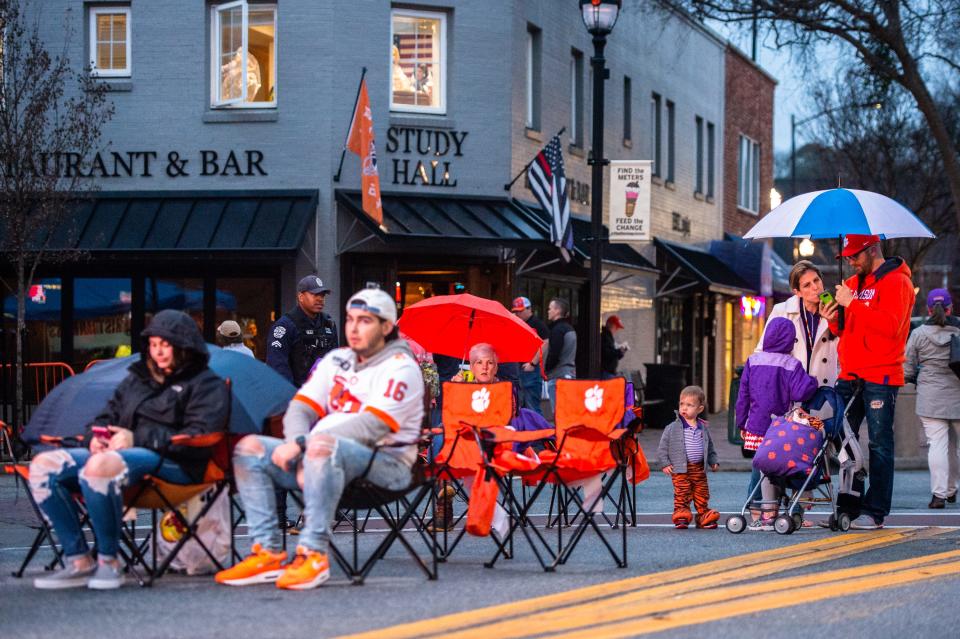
257 392
451 324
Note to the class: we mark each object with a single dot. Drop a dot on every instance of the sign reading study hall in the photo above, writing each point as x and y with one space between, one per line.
435 144
629 200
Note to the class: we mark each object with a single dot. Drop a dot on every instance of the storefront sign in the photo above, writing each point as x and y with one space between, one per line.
629 200
431 143
141 164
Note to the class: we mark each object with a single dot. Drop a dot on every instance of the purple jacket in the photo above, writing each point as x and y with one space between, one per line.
772 380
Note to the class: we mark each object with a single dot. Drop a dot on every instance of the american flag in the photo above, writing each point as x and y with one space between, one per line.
549 185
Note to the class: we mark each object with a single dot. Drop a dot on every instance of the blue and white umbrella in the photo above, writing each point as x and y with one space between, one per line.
830 214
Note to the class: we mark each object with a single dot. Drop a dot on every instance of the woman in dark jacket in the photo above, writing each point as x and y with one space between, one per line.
170 391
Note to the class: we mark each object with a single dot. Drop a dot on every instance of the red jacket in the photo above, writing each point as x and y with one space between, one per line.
876 324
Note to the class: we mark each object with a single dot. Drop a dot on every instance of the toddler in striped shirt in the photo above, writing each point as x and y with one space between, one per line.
684 452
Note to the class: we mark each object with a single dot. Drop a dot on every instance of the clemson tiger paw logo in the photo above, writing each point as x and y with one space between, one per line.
480 400
593 399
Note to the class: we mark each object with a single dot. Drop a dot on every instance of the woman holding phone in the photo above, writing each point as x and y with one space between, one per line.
815 346
169 391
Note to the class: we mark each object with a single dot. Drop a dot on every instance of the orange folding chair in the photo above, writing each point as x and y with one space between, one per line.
590 443
466 405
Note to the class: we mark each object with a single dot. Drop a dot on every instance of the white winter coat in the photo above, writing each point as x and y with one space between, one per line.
824 365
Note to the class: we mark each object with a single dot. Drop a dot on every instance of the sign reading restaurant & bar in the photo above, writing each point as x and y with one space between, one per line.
139 164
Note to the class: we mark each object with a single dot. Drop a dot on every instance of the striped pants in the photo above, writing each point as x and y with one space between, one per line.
691 485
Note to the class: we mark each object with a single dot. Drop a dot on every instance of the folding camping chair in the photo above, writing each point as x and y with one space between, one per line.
589 443
466 404
155 494
396 508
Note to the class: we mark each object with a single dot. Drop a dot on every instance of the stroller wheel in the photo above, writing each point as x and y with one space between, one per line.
736 524
783 525
843 522
832 522
797 521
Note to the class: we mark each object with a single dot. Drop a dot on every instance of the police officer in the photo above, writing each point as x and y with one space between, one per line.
301 337
304 334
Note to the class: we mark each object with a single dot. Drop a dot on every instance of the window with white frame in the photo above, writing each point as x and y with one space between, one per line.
110 41
671 141
244 55
418 59
748 175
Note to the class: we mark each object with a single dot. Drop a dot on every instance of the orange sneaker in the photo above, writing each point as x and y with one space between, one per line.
308 570
261 567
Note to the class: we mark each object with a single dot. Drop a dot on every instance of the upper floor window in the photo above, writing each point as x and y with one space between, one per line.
532 117
671 141
110 41
418 58
655 140
244 56
698 170
748 175
711 155
576 98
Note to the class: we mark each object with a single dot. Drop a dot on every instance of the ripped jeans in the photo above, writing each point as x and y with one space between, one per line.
324 478
56 475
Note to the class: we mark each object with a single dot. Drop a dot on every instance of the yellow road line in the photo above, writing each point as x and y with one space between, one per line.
729 567
642 607
838 586
596 611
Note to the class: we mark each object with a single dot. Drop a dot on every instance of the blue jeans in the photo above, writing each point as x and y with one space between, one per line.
877 403
531 385
55 476
324 479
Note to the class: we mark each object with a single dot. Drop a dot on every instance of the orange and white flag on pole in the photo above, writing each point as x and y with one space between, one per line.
360 140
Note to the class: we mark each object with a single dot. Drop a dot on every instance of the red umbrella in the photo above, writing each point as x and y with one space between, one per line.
451 324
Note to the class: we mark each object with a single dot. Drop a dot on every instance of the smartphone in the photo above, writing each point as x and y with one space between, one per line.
102 433
826 298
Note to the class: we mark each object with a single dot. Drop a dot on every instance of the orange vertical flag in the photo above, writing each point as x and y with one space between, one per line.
361 141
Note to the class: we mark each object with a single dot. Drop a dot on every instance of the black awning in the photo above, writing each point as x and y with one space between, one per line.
703 268
616 255
448 218
164 221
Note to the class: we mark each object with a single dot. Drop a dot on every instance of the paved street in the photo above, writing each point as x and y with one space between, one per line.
749 585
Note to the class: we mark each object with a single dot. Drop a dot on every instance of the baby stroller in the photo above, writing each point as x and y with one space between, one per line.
795 455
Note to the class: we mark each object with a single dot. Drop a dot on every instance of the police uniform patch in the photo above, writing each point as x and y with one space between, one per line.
279 332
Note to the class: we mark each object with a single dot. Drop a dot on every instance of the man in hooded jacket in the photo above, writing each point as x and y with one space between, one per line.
877 300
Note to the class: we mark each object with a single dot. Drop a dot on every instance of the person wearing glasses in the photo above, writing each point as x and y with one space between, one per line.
360 412
877 300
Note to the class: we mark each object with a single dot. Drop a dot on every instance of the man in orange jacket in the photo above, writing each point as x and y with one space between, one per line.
877 301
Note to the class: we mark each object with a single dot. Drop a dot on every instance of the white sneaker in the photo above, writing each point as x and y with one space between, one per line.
865 522
70 576
107 577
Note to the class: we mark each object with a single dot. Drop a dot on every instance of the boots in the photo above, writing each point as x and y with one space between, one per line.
682 518
444 518
708 519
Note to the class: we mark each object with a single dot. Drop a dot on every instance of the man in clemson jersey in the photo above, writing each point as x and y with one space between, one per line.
362 406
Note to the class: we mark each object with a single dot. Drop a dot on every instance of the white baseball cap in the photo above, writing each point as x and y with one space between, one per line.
375 301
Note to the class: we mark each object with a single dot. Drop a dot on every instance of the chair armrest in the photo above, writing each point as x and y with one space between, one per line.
205 440
55 440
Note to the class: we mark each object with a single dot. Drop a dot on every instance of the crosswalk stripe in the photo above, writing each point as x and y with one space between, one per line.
726 570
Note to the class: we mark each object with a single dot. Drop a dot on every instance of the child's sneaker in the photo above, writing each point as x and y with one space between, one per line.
681 524
308 569
760 525
261 567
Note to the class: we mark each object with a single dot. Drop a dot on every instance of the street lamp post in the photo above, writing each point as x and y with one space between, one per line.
599 17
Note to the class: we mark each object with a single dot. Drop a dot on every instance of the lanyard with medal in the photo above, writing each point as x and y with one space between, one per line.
809 330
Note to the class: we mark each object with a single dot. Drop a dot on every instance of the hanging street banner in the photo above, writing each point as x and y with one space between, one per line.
630 200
